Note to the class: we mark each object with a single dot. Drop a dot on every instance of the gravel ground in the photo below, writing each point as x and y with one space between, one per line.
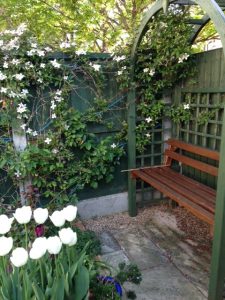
193 228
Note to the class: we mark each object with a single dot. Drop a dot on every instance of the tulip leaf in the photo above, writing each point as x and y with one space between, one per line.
58 289
38 292
49 278
6 285
48 292
19 293
3 296
81 283
66 284
73 270
14 279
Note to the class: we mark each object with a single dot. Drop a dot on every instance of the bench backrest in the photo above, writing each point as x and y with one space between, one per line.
170 155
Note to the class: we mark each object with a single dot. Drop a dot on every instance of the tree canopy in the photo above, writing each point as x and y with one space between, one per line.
99 26
93 25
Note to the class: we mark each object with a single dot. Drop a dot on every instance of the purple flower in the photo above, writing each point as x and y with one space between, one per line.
39 230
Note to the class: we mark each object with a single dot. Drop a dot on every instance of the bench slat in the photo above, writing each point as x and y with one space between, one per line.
192 162
187 191
194 149
197 186
183 201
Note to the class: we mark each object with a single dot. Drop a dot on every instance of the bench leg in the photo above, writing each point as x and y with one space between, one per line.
211 231
172 204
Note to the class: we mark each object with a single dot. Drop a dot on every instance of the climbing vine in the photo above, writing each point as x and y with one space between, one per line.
59 155
163 59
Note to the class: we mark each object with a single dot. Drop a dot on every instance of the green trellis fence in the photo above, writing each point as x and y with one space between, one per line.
82 97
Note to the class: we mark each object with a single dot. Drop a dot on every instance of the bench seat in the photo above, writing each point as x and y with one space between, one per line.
196 197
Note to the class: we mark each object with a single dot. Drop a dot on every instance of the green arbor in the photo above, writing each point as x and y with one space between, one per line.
213 11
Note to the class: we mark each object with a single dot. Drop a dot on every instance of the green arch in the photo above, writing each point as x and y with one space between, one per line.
215 13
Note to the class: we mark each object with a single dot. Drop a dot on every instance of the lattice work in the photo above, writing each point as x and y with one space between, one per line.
204 128
153 156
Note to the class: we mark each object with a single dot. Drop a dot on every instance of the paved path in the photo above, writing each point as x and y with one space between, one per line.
171 269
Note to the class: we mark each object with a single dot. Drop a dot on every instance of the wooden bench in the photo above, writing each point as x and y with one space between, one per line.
198 198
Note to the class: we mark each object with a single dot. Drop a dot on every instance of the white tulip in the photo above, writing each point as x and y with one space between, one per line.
35 253
6 244
70 213
5 224
39 248
57 218
23 214
19 257
40 215
41 243
54 245
68 236
74 240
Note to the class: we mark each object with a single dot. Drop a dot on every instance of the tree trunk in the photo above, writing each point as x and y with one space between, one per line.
20 144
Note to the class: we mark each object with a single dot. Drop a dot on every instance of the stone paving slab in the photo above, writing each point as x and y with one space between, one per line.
165 283
171 270
108 243
140 249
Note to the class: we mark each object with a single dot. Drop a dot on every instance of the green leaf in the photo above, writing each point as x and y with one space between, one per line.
94 184
66 284
72 270
3 163
38 292
81 283
58 289
3 295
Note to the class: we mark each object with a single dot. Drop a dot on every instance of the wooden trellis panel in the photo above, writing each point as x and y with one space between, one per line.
153 156
206 95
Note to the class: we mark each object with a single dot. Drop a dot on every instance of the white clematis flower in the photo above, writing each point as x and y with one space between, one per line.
2 76
6 244
70 212
19 257
21 108
55 64
58 218
40 215
148 120
5 224
186 106
68 236
48 141
96 67
23 214
54 245
19 76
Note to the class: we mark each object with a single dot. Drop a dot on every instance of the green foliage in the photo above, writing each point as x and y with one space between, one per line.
96 26
162 61
62 277
94 246
103 289
61 156
179 113
205 116
129 273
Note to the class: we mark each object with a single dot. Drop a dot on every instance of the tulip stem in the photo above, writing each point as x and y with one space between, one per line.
4 263
41 272
26 239
68 254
